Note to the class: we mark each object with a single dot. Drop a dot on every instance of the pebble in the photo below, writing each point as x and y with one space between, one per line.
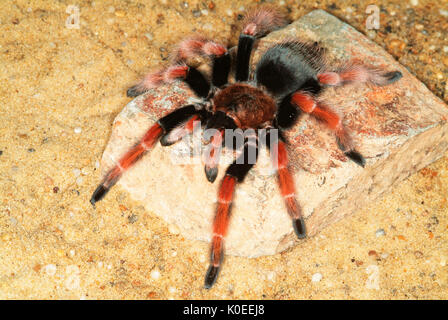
271 276
418 254
73 280
204 12
50 269
48 181
396 44
111 9
316 277
77 130
13 221
443 12
173 229
196 13
79 181
380 233
155 274
77 172
414 2
85 171
120 13
373 280
149 36
229 12
384 255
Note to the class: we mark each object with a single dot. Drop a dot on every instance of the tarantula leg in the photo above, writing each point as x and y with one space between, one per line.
287 114
332 120
161 127
130 157
218 121
212 155
190 75
179 132
286 183
221 70
245 45
258 23
200 46
359 73
235 173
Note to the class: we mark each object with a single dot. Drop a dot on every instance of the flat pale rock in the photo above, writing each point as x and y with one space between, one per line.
399 128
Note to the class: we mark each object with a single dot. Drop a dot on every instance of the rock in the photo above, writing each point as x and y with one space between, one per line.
399 128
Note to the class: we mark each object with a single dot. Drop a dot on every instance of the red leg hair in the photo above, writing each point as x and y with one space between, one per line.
130 157
212 156
287 189
220 225
197 46
357 72
262 20
178 133
332 120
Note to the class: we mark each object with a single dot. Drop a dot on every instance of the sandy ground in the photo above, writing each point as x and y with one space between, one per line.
60 91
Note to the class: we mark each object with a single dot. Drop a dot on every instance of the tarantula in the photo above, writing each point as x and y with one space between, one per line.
287 81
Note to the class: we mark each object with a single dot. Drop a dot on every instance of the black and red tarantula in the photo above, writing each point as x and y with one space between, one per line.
286 82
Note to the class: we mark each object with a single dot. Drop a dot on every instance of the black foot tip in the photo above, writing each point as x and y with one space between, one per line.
211 276
98 194
133 91
211 173
356 157
165 141
299 228
393 76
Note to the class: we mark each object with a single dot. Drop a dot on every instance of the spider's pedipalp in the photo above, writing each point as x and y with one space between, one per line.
179 132
212 154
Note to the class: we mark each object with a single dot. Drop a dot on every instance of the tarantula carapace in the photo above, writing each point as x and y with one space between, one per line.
286 82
